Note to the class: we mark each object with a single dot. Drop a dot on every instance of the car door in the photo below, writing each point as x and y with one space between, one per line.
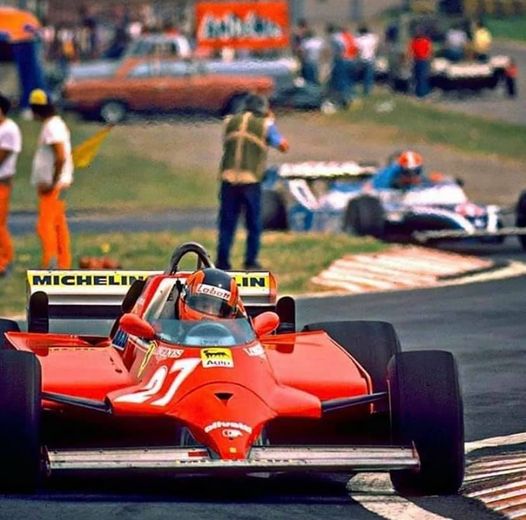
178 87
141 86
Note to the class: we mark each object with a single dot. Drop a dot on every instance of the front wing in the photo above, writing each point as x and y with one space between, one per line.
262 459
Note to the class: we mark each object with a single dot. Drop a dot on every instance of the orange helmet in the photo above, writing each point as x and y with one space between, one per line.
411 162
209 294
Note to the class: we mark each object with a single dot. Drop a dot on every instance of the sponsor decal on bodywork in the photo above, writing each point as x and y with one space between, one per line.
231 433
147 356
168 353
217 357
226 425
47 279
255 351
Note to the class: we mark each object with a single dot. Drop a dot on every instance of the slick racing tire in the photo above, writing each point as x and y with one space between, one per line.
7 326
427 411
364 216
371 343
20 402
273 211
521 217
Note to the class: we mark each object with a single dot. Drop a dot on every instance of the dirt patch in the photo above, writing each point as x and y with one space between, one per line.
195 145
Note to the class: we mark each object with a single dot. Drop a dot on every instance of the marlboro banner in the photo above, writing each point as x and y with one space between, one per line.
247 25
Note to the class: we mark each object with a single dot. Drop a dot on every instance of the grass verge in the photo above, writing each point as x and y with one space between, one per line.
293 258
124 177
424 123
121 177
509 28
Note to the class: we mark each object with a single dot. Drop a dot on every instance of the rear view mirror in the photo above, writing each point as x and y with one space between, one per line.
136 326
266 323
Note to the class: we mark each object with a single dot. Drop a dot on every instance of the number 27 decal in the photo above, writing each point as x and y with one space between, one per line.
184 366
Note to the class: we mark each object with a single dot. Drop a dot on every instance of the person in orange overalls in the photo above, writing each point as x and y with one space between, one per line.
10 147
52 173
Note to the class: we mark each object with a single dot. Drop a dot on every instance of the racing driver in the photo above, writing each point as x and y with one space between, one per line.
210 294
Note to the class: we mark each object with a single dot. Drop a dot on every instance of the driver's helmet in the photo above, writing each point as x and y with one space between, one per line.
411 165
210 294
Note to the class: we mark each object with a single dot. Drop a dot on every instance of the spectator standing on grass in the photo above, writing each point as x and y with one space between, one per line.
482 41
10 147
343 48
421 53
52 173
367 43
298 34
510 78
310 52
247 138
455 44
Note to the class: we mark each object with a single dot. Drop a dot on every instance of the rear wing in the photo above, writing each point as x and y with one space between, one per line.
98 294
313 170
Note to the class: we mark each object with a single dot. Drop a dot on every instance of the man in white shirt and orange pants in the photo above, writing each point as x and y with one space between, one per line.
52 172
10 147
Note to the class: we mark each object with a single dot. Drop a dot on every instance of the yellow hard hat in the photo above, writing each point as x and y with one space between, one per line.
38 97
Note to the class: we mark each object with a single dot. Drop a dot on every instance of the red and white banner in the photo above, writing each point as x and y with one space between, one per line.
246 25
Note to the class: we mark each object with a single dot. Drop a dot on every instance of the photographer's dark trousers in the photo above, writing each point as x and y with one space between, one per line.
234 198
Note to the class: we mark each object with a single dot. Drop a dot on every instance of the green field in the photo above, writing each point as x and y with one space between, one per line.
418 122
509 28
125 178
120 178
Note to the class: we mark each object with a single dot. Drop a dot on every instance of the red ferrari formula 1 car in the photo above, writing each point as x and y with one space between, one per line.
244 395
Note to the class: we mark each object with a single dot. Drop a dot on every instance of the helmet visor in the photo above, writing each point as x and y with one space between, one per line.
210 305
413 172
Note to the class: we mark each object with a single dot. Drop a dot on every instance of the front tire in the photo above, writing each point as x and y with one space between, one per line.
273 211
365 216
20 405
426 409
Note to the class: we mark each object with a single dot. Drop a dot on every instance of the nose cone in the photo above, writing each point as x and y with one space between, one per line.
225 417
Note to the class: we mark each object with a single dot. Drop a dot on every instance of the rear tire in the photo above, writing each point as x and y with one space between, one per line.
20 403
521 217
371 343
113 112
273 211
426 409
234 105
7 326
365 216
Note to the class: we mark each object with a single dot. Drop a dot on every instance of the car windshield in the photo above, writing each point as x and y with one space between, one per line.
205 333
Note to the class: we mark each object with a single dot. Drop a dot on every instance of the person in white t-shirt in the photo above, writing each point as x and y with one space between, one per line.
10 147
51 174
367 43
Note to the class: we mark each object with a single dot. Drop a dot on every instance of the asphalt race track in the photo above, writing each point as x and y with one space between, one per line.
483 324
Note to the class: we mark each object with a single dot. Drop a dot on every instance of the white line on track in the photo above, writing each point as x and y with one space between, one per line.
374 492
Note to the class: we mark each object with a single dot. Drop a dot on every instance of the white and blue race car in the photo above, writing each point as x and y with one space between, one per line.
350 197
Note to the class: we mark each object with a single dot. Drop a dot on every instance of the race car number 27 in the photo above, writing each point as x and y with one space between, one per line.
184 367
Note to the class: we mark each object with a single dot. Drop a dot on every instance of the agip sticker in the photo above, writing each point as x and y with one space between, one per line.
217 358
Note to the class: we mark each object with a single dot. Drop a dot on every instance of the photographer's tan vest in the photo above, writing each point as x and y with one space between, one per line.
245 148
